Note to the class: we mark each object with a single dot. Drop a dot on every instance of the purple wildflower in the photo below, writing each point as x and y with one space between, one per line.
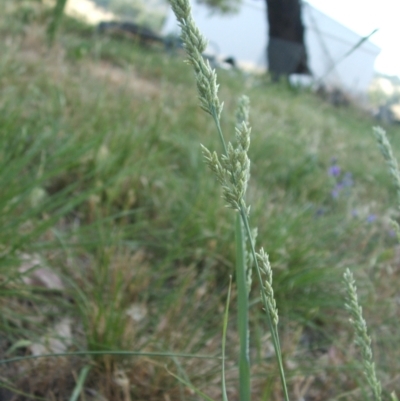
347 180
334 170
340 185
335 192
371 218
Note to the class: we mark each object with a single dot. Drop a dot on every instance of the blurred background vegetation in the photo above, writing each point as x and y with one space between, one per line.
147 13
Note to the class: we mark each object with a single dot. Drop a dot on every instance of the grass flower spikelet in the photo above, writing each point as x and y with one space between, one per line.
387 153
243 109
222 171
265 267
195 44
362 338
232 171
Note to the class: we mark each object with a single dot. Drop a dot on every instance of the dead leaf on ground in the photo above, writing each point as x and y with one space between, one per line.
35 274
58 339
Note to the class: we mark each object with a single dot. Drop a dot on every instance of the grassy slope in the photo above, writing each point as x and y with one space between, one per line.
102 181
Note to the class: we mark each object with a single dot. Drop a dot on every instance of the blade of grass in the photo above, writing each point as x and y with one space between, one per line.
243 312
80 383
55 22
224 330
195 389
117 353
20 392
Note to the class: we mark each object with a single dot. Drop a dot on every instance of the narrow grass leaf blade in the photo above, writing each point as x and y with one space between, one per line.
55 22
17 345
224 330
115 353
243 311
195 389
20 392
81 381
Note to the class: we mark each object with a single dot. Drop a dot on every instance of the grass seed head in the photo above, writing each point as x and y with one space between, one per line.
362 339
195 44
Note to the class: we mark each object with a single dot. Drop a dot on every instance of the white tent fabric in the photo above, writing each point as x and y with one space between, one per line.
328 42
244 37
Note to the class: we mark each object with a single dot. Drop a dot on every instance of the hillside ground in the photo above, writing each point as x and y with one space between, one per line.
115 237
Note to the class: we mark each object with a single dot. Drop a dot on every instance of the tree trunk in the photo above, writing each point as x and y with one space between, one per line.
286 51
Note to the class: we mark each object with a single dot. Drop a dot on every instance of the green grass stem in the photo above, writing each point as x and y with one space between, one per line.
224 331
272 326
80 383
189 385
56 20
244 337
243 311
101 353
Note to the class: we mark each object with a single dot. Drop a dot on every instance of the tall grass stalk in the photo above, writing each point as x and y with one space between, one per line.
56 19
363 340
225 327
243 309
393 167
232 170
